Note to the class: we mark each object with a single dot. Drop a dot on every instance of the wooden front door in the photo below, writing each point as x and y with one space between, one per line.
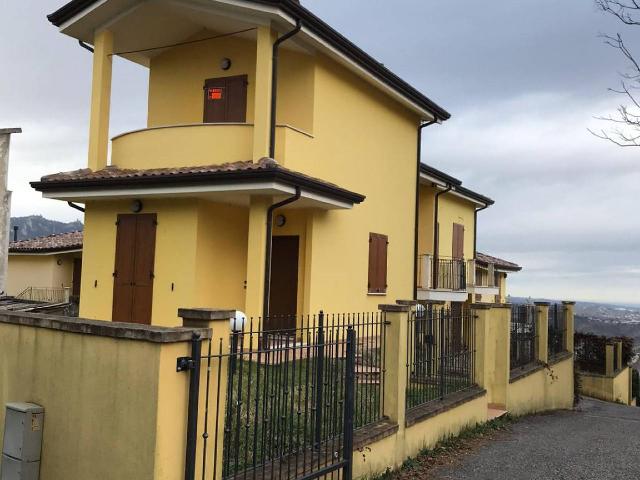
225 100
283 298
77 277
133 274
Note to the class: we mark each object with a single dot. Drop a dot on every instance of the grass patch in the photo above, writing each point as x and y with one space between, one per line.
444 449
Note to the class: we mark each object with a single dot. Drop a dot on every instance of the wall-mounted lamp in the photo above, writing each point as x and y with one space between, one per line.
136 206
281 220
225 63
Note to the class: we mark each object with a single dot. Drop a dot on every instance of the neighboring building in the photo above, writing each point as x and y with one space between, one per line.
46 268
177 216
447 225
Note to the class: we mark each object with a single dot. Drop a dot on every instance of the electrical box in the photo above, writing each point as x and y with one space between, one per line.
22 441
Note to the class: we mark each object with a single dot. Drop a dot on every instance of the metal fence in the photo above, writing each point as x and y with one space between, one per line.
289 400
524 336
440 353
557 330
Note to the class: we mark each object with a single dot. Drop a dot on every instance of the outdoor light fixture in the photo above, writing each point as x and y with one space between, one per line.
225 63
136 206
281 220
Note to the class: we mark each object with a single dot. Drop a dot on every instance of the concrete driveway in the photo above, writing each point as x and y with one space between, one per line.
600 441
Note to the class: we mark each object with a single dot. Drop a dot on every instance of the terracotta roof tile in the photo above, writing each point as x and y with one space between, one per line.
57 242
498 262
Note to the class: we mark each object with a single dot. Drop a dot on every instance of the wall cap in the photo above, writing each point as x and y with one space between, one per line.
481 306
206 313
542 304
101 328
394 308
407 302
568 302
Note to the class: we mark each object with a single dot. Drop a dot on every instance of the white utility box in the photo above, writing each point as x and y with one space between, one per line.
22 441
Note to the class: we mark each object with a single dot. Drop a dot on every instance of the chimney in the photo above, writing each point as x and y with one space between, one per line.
5 204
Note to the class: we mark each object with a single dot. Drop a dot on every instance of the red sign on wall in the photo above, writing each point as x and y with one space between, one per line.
215 93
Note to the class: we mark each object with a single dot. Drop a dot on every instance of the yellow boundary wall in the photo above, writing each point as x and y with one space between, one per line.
114 405
615 388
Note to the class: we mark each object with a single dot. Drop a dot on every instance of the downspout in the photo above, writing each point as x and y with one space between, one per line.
417 208
436 234
274 84
475 228
268 246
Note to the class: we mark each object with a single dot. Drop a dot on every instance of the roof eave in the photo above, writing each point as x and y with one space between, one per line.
289 178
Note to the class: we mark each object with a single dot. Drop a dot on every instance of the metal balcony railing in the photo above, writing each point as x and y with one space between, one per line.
480 275
45 294
442 273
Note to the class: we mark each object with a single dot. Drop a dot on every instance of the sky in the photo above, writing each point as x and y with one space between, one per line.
523 80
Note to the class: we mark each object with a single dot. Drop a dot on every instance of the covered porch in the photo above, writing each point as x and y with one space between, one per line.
159 239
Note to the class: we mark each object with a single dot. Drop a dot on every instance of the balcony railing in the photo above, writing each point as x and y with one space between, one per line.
442 273
480 275
45 294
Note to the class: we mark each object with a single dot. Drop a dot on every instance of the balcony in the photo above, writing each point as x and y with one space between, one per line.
482 278
442 278
183 145
197 144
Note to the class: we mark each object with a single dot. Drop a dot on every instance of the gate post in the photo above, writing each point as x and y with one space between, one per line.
542 329
210 394
395 367
193 366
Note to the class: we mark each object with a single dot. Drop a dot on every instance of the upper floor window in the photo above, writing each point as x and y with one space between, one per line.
225 99
378 245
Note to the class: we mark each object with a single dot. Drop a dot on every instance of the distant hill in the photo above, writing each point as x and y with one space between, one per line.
38 226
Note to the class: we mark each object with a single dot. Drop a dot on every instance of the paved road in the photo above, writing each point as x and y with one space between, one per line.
601 441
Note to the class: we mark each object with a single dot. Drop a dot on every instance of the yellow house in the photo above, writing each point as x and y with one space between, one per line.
449 268
276 173
46 268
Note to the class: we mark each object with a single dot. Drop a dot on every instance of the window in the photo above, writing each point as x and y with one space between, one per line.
378 245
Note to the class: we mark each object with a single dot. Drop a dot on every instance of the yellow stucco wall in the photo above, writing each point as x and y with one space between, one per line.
200 258
101 400
547 389
40 271
392 451
364 142
452 210
609 389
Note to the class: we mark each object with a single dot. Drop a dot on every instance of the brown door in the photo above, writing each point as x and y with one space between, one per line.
77 276
133 274
225 99
283 298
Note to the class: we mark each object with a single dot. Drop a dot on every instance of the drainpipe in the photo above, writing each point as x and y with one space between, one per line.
267 259
436 234
417 208
274 84
475 228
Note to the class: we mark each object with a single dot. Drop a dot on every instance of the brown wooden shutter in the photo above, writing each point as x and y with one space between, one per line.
458 241
225 99
124 266
378 245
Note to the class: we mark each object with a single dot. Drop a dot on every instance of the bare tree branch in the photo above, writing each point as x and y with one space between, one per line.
627 120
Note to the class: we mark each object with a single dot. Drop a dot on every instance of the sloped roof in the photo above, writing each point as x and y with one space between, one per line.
455 184
58 242
319 28
485 259
237 172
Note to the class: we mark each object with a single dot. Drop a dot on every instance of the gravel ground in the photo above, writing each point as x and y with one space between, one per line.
599 441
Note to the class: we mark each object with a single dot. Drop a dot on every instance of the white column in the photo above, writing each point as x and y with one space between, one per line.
5 204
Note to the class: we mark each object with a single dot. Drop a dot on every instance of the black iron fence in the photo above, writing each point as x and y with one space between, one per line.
287 401
524 338
590 352
440 353
449 274
557 329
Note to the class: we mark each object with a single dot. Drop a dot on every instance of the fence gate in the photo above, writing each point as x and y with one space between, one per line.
272 405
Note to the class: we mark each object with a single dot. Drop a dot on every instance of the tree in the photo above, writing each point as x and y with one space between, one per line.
625 131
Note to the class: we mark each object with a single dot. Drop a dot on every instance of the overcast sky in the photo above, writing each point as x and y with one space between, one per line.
522 79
